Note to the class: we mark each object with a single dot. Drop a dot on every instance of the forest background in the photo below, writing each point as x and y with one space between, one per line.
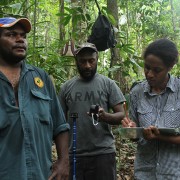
136 24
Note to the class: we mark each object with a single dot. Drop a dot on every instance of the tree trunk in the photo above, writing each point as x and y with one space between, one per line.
115 54
25 8
61 26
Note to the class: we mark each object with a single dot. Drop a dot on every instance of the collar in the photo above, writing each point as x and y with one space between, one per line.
26 68
170 85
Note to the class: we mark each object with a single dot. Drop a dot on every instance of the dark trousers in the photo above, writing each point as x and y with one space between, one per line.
101 167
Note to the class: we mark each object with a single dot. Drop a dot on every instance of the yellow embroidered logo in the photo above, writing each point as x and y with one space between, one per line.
38 82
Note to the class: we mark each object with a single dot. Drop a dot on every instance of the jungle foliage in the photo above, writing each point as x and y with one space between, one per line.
136 24
55 22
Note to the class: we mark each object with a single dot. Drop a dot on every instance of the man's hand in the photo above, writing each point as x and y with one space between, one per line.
103 116
60 170
113 118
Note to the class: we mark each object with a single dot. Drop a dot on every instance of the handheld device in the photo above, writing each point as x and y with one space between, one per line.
94 113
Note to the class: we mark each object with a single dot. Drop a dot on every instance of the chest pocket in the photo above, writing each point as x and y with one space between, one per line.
145 114
172 115
41 105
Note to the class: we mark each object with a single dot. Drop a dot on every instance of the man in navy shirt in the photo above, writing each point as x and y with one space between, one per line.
31 116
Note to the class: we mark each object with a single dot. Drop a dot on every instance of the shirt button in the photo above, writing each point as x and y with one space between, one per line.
13 103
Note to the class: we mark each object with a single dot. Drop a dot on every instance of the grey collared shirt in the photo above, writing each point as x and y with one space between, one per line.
157 159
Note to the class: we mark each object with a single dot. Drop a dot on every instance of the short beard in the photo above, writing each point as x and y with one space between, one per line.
86 78
11 59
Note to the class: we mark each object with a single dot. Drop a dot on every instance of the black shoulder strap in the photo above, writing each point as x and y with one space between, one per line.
98 6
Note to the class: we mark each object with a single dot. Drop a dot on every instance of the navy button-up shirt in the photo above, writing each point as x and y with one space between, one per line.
27 131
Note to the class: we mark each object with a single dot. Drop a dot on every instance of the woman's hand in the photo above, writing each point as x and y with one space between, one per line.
126 122
151 132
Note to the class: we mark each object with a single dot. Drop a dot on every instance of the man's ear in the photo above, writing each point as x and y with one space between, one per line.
97 56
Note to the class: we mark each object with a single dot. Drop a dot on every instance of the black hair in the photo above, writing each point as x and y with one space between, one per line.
165 49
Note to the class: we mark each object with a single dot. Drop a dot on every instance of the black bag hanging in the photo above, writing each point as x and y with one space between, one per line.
102 34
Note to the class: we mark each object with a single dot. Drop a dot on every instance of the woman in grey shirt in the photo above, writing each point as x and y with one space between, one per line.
154 104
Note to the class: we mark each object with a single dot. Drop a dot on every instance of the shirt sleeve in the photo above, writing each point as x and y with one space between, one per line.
116 96
62 99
